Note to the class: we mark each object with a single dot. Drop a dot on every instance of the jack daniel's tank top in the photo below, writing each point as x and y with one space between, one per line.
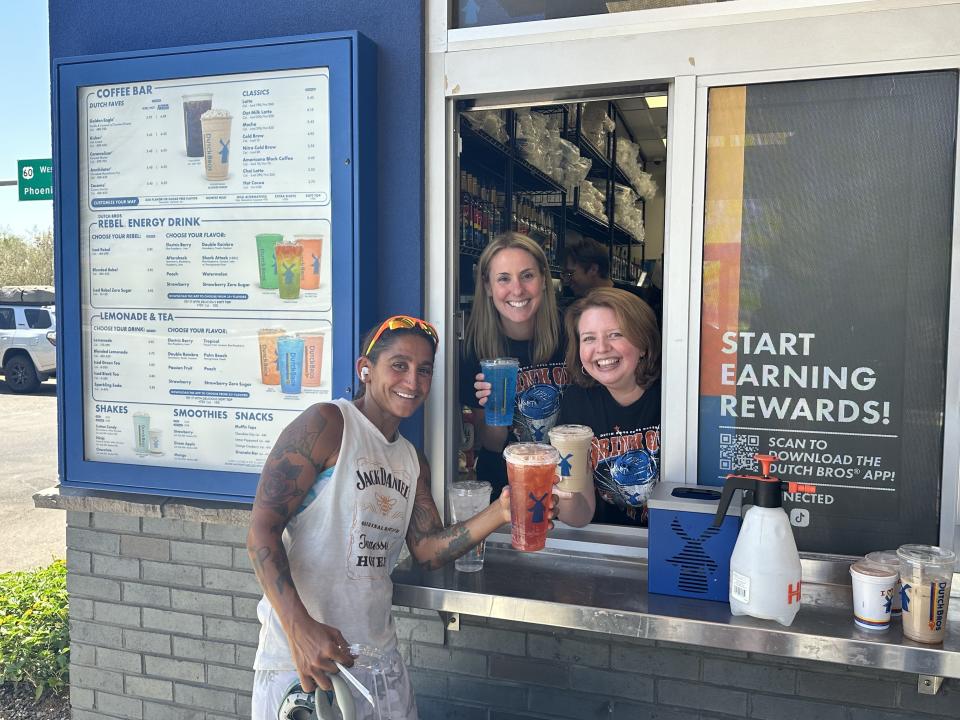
343 546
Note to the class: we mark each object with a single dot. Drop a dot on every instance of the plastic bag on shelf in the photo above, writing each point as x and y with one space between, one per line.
595 124
575 173
628 159
491 122
645 185
627 210
593 200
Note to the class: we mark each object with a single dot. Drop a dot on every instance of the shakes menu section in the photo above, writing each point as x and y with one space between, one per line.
205 254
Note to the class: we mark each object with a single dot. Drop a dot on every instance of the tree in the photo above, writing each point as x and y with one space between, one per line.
26 261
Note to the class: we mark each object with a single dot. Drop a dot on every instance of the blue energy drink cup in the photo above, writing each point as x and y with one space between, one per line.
290 360
501 373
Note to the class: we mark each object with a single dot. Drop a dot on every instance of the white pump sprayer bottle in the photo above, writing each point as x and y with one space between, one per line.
765 573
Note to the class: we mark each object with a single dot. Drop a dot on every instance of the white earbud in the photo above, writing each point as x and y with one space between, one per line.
364 372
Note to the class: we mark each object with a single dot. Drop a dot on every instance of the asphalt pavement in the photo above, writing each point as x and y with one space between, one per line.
29 537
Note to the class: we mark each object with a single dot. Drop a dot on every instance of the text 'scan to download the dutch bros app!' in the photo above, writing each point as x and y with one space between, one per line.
312 358
531 471
925 575
215 133
289 269
267 259
312 252
573 442
501 373
290 359
269 363
194 106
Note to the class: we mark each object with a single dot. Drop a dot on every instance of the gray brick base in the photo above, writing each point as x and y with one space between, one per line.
162 627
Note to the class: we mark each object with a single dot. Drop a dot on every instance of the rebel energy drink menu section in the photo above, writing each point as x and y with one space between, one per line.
206 251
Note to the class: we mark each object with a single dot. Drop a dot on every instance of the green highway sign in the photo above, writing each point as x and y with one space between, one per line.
35 179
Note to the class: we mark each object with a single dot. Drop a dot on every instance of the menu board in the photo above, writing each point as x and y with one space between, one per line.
205 254
826 285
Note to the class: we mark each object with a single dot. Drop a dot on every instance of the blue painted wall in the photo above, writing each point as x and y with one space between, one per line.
89 27
92 27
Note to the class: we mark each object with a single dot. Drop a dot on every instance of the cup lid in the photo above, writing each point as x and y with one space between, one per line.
531 454
570 432
884 557
500 361
926 555
470 487
865 567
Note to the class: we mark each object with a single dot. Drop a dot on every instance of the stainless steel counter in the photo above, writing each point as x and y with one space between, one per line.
561 590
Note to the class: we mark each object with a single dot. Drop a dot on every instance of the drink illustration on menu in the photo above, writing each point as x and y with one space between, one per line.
206 265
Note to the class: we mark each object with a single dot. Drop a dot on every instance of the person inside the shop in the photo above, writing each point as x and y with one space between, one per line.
514 314
613 356
338 494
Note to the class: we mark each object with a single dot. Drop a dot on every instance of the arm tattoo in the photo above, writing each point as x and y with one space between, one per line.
425 520
458 541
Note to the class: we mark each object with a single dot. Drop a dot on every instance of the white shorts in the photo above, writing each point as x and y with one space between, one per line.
394 702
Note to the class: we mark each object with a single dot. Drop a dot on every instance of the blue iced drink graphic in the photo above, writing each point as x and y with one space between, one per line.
501 373
290 359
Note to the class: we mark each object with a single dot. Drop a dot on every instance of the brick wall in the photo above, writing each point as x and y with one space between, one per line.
163 627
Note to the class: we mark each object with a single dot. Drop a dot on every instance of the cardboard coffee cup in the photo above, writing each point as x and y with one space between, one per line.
872 594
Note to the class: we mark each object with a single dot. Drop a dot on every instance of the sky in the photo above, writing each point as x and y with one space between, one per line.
25 119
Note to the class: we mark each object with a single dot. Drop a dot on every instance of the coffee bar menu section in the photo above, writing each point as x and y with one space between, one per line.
205 216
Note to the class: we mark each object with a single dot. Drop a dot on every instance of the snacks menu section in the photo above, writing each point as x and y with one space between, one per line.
206 244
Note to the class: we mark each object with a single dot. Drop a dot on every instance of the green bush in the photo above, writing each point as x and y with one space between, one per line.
34 628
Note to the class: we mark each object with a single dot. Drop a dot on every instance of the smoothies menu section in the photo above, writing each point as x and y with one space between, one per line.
206 250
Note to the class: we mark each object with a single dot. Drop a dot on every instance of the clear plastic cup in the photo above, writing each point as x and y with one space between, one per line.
467 498
925 574
889 558
573 442
501 373
531 471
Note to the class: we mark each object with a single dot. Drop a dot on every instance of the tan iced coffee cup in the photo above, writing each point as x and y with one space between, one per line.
573 442
215 135
925 574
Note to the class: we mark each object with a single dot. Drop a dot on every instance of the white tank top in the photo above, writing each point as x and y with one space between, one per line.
343 546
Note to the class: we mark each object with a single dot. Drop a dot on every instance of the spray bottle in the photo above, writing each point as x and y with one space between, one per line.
765 571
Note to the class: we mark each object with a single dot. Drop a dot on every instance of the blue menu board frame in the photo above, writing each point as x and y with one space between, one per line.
350 61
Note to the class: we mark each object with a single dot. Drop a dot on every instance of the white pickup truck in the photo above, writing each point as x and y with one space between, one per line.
28 339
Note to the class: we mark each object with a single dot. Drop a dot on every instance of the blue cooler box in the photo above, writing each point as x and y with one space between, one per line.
688 556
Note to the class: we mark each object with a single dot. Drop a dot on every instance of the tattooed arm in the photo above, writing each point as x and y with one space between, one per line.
308 445
433 545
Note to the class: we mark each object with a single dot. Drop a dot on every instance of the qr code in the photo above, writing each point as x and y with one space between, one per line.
737 451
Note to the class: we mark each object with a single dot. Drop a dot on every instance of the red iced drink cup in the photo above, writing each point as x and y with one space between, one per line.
531 472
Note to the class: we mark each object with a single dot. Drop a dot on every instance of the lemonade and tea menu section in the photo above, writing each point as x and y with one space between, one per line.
205 222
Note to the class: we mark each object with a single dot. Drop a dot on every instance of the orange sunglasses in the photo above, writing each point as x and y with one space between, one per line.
404 322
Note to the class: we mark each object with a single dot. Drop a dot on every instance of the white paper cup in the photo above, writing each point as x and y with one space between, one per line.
872 594
890 559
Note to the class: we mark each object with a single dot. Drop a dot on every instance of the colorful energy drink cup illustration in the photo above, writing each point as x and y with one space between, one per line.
531 470
193 107
156 442
141 433
501 373
269 364
872 594
573 442
290 359
312 252
312 358
289 269
215 136
925 575
267 259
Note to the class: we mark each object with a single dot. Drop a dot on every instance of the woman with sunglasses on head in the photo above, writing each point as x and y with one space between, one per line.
514 314
338 494
613 355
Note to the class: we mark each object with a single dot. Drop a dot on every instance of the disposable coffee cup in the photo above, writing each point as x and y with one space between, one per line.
531 471
889 559
501 373
925 574
573 442
215 135
872 594
467 498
